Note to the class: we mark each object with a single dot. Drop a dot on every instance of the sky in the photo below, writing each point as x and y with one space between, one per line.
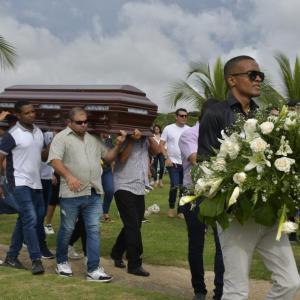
148 44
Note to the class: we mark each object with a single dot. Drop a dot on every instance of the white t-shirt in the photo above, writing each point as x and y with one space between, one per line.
171 135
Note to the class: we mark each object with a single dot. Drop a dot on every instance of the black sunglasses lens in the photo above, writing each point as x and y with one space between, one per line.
253 75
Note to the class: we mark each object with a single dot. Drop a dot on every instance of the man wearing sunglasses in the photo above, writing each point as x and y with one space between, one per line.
75 155
170 137
238 242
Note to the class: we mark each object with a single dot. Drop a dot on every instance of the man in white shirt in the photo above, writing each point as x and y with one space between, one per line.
173 163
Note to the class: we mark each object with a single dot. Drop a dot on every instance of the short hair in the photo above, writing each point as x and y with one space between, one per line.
180 109
74 111
231 63
19 104
156 125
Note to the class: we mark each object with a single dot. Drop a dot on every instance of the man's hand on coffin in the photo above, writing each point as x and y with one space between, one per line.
73 183
3 114
121 138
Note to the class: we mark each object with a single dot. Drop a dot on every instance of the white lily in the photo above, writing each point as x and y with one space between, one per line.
187 199
233 198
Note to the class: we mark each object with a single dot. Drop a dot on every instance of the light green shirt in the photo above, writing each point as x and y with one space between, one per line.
81 158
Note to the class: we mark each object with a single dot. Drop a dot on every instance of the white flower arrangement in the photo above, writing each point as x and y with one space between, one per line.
256 173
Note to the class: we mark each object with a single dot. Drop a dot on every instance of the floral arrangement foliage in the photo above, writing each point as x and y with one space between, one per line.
254 174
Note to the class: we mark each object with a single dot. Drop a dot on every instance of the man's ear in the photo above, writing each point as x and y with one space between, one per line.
231 81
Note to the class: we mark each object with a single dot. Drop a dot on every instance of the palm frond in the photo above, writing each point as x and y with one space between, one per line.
181 91
7 54
297 79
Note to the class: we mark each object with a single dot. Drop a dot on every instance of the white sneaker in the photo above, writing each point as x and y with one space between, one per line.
98 275
64 269
1 262
73 254
49 229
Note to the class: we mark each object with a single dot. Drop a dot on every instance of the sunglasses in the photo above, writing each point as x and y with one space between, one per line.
252 75
182 116
80 122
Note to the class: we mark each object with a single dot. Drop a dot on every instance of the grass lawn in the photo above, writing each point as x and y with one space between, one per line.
165 243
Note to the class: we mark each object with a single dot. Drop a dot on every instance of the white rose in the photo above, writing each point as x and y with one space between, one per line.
219 164
284 164
266 127
289 227
231 148
250 126
239 178
258 145
289 123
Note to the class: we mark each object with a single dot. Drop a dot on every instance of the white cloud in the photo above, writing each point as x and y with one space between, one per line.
153 47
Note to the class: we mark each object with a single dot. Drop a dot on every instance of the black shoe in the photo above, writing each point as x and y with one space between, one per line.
139 271
47 254
13 262
37 267
119 263
199 296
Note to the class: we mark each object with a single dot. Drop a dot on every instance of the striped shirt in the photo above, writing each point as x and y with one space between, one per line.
132 175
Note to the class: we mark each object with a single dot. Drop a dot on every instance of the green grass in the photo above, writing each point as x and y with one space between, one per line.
165 243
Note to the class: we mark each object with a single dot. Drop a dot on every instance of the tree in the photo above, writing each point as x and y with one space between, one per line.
7 54
204 85
290 79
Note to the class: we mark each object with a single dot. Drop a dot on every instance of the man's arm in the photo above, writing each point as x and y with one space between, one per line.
2 159
209 132
61 169
163 150
112 153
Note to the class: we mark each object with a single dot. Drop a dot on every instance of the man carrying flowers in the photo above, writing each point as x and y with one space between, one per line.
238 241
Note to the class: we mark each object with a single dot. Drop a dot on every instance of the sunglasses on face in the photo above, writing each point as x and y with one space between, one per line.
81 122
252 75
182 116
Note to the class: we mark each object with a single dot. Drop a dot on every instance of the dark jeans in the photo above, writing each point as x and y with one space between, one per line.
131 208
196 235
79 231
108 187
176 179
47 193
29 225
159 158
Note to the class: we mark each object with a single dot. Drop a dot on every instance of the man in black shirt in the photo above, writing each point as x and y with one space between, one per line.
238 242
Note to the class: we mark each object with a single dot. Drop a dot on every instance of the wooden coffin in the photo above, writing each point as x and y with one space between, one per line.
109 107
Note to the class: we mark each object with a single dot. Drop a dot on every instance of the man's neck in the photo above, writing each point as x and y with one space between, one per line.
244 101
27 126
179 124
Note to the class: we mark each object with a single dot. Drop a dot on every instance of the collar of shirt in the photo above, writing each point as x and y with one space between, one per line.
236 106
35 128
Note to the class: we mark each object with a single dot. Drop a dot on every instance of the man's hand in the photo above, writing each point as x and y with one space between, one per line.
1 193
73 183
3 114
168 162
136 135
121 138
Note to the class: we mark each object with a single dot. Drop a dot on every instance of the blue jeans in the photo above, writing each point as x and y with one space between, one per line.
196 235
91 209
159 158
176 180
30 222
8 205
108 187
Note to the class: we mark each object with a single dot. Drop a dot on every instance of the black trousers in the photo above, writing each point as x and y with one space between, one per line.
131 208
196 235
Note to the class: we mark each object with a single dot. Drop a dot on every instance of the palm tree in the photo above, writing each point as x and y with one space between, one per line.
7 54
205 85
291 79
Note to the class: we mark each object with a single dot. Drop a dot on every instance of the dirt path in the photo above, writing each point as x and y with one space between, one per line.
170 280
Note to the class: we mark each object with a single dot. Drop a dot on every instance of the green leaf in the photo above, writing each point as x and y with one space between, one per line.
223 220
212 207
266 215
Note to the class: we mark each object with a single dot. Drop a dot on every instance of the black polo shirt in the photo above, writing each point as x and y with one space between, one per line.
216 118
